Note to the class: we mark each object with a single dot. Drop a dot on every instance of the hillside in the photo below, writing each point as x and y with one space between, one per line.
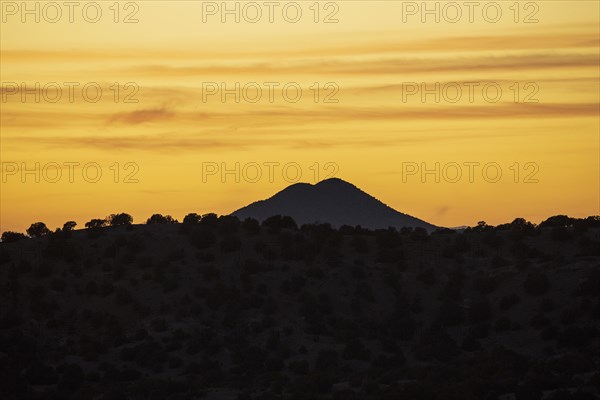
332 201
223 309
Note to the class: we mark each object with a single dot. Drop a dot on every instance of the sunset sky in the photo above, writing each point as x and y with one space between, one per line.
371 129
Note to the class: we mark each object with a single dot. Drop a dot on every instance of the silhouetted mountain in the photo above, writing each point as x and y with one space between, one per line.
334 201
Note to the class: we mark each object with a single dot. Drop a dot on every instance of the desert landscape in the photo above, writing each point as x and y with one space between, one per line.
215 307
300 200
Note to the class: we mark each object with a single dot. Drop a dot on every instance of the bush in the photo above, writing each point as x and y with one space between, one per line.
58 285
72 377
203 239
299 367
192 219
450 313
41 374
427 276
69 226
328 359
251 226
95 223
120 219
276 223
124 296
508 301
159 325
360 244
503 324
38 229
161 219
528 391
536 283
230 244
356 350
11 237
480 310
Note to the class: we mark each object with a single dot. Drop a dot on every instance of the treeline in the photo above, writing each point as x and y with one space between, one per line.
560 224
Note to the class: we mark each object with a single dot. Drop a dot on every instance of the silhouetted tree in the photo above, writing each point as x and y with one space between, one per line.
209 220
38 229
161 219
191 219
536 283
558 221
522 225
95 223
228 224
251 226
277 222
120 219
69 225
481 226
419 234
10 237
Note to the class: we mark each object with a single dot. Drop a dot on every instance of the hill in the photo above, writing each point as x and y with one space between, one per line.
332 201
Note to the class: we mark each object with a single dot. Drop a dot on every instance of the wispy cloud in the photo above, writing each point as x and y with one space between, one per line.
141 116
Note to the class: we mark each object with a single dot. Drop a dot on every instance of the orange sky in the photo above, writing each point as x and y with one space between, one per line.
370 123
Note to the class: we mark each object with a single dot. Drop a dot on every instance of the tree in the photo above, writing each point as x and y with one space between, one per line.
191 219
277 223
10 237
251 226
38 229
536 283
69 225
95 223
558 221
209 220
522 225
161 219
120 219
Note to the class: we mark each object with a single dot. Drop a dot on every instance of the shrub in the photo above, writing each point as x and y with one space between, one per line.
450 313
161 219
58 285
251 226
328 359
470 343
355 350
11 237
427 276
360 244
69 226
72 377
159 325
503 324
119 219
192 219
202 239
41 374
231 243
536 283
95 223
508 301
480 310
38 229
105 288
419 234
276 223
300 367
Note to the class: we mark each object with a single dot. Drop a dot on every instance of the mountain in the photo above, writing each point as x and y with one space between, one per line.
333 201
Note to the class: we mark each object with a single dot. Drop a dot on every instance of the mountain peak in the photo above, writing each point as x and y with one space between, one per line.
332 201
333 181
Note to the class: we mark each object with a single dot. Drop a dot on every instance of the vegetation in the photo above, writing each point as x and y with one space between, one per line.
214 306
